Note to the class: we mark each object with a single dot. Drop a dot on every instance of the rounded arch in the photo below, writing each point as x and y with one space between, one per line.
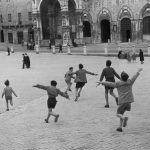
39 5
125 12
50 12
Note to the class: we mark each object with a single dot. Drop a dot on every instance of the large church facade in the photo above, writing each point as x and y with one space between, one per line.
92 21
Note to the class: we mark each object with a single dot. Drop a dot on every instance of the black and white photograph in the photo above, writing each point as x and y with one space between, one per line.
74 74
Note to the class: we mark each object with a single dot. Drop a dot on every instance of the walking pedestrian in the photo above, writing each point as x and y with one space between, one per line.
8 50
68 77
52 92
50 45
8 94
60 48
141 56
124 88
23 61
27 58
109 73
81 79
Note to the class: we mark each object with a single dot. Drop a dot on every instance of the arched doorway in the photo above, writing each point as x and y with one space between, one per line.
125 30
146 28
105 31
51 20
86 29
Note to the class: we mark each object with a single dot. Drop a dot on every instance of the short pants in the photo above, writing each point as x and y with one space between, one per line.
123 107
51 102
80 84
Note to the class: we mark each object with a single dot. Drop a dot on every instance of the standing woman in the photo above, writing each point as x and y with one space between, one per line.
141 56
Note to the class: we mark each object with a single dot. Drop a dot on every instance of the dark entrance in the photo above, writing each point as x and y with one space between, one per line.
51 19
20 37
125 30
105 30
146 25
10 37
2 36
86 29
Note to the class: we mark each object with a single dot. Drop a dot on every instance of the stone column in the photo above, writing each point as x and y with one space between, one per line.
51 25
65 26
79 26
36 17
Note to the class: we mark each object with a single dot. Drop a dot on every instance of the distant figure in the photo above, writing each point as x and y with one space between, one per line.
60 48
8 50
8 94
141 56
68 77
27 60
23 61
119 54
50 45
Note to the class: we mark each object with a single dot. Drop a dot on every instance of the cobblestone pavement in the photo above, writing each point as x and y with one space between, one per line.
83 125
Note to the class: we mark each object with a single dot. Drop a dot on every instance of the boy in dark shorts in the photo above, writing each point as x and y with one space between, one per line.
124 88
8 94
68 77
109 74
81 79
52 92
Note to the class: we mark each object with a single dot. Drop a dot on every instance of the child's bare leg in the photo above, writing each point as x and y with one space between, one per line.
11 102
79 91
121 122
49 114
7 105
106 97
114 95
76 94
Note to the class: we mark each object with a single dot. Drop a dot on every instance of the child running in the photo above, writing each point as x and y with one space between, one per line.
8 94
109 74
81 79
52 92
68 77
124 88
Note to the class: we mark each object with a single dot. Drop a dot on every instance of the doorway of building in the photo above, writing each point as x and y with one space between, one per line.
105 31
146 28
10 37
86 29
125 30
2 36
20 37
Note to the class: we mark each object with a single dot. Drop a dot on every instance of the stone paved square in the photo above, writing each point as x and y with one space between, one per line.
83 125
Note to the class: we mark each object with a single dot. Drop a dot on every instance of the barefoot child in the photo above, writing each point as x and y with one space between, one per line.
124 88
52 92
68 77
109 74
8 94
81 79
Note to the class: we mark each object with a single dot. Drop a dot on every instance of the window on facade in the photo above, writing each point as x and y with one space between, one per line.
30 16
9 17
1 19
7 0
19 18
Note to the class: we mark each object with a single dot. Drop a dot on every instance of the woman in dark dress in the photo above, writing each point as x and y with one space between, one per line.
141 56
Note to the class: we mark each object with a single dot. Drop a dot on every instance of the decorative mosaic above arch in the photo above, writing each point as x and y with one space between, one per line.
86 16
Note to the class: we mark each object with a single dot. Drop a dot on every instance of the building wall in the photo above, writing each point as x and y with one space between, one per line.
14 7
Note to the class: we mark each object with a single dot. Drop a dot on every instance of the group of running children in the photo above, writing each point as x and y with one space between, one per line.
123 86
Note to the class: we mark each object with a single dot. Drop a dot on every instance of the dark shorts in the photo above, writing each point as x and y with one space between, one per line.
80 84
8 98
51 102
108 88
123 107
